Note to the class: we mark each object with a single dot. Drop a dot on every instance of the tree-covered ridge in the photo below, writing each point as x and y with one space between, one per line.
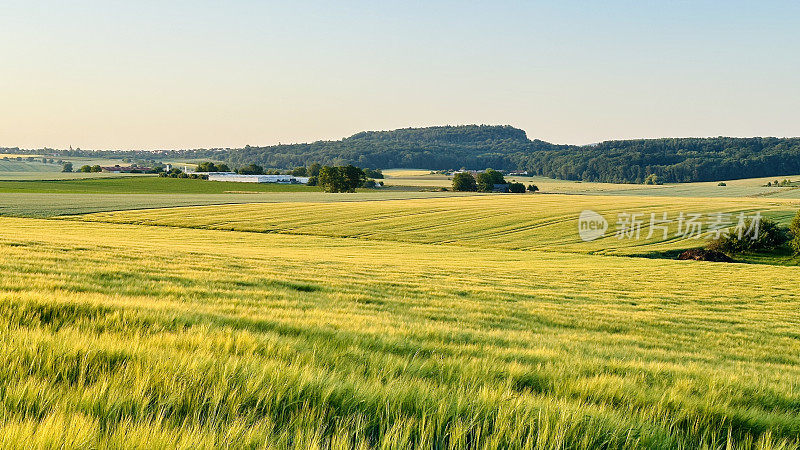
470 146
508 148
672 160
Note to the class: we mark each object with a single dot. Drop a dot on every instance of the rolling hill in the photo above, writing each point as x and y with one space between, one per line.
504 147
508 148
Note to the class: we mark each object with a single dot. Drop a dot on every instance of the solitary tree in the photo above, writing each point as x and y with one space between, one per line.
794 229
67 167
533 188
341 179
464 181
354 177
330 179
652 179
488 179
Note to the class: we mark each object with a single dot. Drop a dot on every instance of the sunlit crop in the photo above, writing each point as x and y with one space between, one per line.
134 335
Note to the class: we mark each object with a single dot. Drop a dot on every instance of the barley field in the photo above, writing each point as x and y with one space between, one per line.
427 322
515 222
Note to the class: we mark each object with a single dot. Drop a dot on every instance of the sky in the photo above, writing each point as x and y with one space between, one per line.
175 74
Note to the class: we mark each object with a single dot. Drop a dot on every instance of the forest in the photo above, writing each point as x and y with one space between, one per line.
508 148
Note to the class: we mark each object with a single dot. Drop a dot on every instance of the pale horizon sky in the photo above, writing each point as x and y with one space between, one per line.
199 74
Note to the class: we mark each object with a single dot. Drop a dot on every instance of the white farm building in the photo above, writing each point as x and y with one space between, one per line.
229 176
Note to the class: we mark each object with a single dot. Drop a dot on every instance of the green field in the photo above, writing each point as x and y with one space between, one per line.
57 176
408 180
33 204
752 187
11 165
383 319
145 185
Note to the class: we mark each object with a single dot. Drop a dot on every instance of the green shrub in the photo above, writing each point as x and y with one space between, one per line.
769 237
794 230
376 173
516 188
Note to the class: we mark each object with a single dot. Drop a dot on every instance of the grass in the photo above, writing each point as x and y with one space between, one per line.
27 166
138 336
56 176
145 185
25 204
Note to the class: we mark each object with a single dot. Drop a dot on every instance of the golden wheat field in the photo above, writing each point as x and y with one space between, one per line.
472 322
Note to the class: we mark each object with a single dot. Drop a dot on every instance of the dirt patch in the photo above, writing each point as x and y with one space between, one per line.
701 254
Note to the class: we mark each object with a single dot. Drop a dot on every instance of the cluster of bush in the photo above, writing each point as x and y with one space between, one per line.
178 173
777 183
93 169
488 181
344 178
67 166
332 180
770 236
209 166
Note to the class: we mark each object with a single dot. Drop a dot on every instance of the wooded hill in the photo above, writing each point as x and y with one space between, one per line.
508 148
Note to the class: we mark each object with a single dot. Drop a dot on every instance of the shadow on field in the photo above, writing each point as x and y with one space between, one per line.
779 257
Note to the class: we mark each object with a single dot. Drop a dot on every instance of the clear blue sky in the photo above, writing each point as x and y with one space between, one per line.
185 74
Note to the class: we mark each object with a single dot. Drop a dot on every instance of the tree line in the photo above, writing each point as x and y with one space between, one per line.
489 180
670 160
507 148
